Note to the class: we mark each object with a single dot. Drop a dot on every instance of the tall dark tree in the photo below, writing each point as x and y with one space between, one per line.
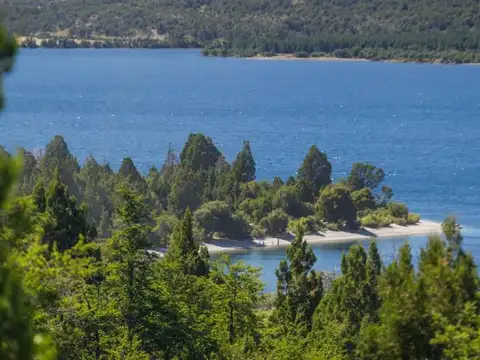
199 153
316 170
66 222
299 287
243 168
373 271
184 251
57 158
30 173
130 270
128 173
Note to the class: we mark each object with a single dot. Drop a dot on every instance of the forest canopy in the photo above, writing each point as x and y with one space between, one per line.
407 30
226 199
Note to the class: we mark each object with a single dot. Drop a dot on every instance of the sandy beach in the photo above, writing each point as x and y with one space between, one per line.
424 227
293 57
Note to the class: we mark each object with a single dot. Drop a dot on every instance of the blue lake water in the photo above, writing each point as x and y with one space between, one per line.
420 122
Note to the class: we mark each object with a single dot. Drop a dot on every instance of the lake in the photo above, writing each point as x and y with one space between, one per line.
420 122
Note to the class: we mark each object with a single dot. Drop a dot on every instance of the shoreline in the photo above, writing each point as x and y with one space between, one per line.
292 57
424 227
164 45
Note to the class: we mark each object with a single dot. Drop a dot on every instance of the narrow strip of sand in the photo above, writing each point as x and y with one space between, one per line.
293 57
424 227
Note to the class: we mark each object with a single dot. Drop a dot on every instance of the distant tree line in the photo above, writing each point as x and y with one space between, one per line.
69 43
225 198
424 30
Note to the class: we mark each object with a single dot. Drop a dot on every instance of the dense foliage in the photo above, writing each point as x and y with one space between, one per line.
72 288
225 199
424 30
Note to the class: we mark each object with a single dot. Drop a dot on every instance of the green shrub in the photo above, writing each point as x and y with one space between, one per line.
332 226
413 219
386 221
275 223
398 210
370 221
301 54
400 221
317 54
308 223
377 219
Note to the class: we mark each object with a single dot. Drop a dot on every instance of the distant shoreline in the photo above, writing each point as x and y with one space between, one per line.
33 42
292 57
424 227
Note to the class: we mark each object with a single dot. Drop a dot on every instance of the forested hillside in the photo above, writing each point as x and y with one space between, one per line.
421 30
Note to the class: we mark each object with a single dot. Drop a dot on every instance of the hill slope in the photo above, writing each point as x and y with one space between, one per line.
252 26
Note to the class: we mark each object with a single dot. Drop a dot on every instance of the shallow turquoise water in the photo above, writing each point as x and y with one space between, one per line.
419 122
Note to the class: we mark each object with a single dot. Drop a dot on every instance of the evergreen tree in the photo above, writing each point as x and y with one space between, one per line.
373 271
299 287
128 174
39 197
243 168
184 251
30 173
316 170
130 267
405 324
58 159
66 223
238 293
199 153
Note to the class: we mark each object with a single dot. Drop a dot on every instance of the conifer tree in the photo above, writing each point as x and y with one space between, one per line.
184 250
243 168
299 287
66 222
130 265
316 170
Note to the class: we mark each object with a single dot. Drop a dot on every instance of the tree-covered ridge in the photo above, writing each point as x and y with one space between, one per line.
226 200
422 30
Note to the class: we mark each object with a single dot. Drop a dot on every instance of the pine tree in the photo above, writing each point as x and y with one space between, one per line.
373 271
39 196
316 170
130 266
66 223
59 161
299 287
243 168
129 175
199 153
405 324
184 251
